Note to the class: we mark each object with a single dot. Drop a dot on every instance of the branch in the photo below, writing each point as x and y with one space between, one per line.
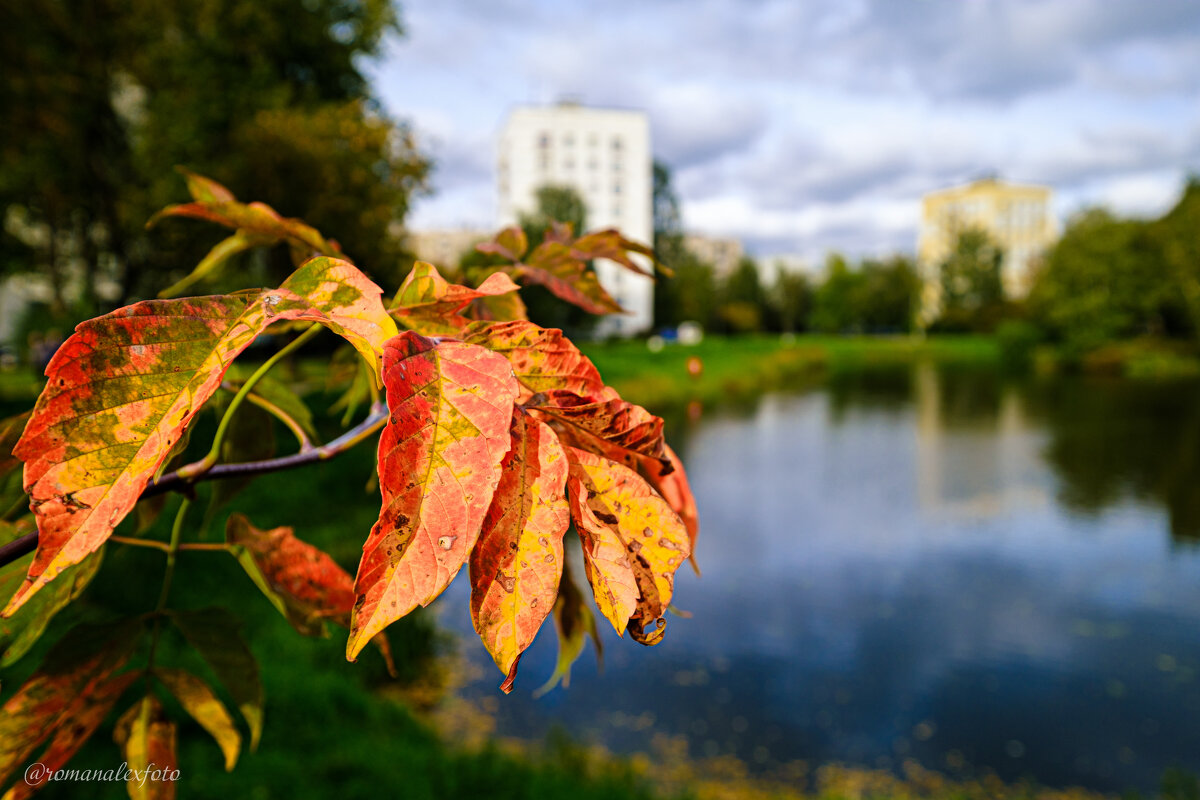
174 481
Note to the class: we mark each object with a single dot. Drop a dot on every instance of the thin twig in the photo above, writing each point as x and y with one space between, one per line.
173 481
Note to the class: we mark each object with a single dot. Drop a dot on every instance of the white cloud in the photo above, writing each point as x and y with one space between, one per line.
808 126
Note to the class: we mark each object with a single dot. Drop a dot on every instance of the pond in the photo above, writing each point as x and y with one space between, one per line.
921 563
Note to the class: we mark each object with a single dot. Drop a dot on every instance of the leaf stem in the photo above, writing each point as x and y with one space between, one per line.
151 543
168 575
214 453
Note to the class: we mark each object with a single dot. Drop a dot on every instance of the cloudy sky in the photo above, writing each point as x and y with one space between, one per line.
812 125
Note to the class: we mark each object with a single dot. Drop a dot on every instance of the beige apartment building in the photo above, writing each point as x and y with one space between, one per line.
1019 218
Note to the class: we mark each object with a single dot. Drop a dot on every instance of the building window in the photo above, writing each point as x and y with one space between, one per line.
617 187
616 144
569 164
616 165
569 139
616 210
544 141
593 140
544 162
593 164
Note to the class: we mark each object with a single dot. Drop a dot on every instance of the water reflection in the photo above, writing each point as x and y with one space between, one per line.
936 564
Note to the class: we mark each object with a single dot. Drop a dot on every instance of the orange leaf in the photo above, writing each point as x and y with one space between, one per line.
632 542
66 700
439 464
542 358
517 562
304 583
147 737
123 388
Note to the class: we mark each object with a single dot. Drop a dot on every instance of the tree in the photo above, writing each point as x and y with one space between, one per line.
792 300
971 275
102 99
889 295
744 298
555 204
835 305
494 435
1105 280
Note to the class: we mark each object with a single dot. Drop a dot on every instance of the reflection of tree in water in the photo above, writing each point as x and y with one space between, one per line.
967 397
1110 439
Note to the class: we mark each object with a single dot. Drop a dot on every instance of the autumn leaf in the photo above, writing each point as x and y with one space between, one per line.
199 701
123 388
439 463
516 564
673 486
510 243
604 424
255 224
213 633
574 622
554 266
611 245
23 629
147 737
430 305
302 581
66 699
542 359
632 543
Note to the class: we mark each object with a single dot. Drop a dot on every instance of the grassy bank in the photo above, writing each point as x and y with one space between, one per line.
737 367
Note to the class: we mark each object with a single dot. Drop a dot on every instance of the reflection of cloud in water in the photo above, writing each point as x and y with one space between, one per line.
853 608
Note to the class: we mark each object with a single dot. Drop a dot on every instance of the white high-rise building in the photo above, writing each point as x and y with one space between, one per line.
604 154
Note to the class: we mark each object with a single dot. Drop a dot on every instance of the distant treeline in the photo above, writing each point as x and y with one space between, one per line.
1107 279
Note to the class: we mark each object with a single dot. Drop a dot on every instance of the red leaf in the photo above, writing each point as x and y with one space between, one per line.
517 562
305 584
439 464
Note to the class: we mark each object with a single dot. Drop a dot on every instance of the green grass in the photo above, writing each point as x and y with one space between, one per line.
734 368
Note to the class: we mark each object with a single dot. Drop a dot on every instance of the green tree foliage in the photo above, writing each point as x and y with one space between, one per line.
791 299
1105 280
101 99
971 274
889 294
689 294
744 300
834 304
554 204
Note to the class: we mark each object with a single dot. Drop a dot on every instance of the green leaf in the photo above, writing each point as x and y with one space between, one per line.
21 631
